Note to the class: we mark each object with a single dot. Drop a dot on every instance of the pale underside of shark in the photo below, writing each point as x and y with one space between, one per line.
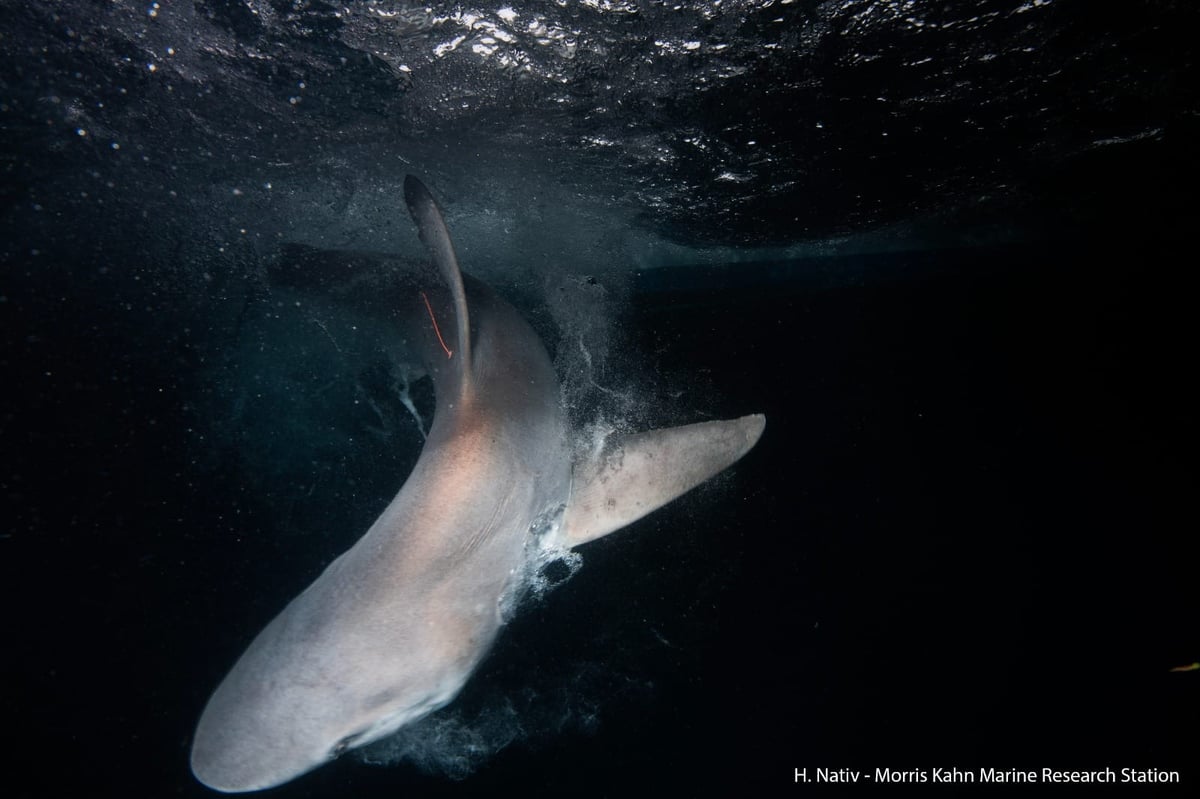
393 628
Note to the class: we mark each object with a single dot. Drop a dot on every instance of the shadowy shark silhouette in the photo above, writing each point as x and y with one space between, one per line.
392 629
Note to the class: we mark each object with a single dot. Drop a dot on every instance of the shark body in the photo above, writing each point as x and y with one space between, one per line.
394 627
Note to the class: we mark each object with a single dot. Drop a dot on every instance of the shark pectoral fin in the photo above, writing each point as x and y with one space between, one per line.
643 472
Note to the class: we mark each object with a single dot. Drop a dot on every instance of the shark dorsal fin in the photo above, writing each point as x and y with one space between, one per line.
636 474
434 235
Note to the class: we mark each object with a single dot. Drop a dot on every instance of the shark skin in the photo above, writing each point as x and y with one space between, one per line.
394 627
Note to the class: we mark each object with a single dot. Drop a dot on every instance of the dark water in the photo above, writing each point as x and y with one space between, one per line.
964 539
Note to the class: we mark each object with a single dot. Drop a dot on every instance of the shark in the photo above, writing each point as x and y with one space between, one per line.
393 628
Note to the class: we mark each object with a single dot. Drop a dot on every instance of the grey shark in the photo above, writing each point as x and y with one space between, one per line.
394 627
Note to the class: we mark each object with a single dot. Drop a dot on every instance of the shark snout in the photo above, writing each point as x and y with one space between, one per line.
256 734
229 762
